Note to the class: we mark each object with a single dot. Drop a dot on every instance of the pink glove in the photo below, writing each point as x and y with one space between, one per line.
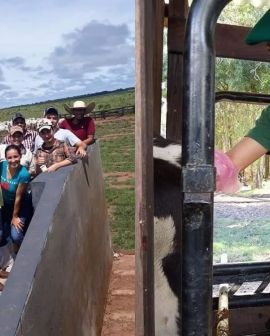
226 173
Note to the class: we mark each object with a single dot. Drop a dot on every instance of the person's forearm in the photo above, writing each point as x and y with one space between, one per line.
63 163
17 205
245 152
81 145
89 140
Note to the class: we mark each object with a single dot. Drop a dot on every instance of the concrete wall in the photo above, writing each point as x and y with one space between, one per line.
59 282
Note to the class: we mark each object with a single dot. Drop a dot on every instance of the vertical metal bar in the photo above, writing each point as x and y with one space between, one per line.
198 176
144 97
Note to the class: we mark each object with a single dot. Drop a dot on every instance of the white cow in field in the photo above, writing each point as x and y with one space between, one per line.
167 214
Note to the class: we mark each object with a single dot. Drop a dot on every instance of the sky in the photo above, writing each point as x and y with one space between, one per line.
59 48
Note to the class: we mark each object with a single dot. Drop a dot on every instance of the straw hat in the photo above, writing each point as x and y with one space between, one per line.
80 105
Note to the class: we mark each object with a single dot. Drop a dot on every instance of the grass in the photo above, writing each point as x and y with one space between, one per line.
117 145
121 202
242 240
117 126
118 155
104 101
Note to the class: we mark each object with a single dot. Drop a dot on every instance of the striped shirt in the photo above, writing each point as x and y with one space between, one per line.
28 139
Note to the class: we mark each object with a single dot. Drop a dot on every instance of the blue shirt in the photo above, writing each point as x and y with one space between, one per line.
9 186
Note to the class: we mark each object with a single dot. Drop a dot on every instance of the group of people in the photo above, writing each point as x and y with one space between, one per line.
25 153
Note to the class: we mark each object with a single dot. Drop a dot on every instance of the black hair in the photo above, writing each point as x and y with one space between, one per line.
51 110
15 147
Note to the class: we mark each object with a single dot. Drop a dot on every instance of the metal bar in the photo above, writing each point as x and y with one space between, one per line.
243 97
144 97
239 273
242 268
245 301
198 176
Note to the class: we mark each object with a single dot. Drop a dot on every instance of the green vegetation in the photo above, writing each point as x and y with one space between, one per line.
242 240
234 120
117 153
104 101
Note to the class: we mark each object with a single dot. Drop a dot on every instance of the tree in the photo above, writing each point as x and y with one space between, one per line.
234 120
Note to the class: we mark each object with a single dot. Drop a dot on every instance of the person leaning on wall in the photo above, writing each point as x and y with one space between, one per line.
17 205
52 154
51 113
82 126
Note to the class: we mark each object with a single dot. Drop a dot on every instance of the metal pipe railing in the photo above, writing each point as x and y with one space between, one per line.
243 97
198 173
241 268
247 301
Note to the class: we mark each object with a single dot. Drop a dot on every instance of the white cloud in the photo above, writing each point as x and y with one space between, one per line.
88 50
52 49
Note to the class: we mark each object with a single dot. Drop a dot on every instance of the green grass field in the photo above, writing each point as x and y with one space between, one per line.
242 240
117 153
110 100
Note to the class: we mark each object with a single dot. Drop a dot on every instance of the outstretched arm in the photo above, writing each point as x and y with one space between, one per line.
89 140
245 152
58 165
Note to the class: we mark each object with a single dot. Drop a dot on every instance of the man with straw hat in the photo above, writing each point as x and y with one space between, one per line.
82 126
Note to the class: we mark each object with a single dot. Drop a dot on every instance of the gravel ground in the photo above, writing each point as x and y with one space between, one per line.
242 208
242 225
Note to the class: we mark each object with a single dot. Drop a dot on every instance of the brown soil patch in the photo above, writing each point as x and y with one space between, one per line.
119 180
110 119
121 186
114 135
120 311
110 210
121 176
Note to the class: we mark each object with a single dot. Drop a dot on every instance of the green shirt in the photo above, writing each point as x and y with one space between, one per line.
261 131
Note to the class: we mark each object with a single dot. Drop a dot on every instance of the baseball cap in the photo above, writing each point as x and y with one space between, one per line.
14 129
50 110
17 115
44 124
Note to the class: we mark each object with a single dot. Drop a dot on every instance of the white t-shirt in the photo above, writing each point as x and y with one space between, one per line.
61 134
26 158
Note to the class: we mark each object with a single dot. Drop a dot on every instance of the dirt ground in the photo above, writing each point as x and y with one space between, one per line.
120 311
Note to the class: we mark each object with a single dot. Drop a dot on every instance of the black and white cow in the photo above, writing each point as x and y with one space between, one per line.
167 231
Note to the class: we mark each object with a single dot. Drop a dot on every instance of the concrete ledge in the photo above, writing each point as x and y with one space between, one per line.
59 282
